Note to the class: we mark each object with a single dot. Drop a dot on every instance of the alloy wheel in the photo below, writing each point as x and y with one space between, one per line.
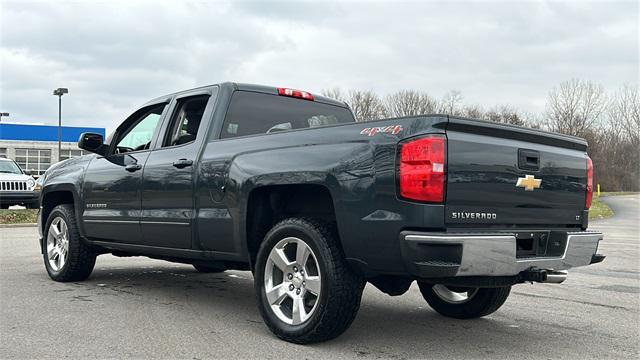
57 243
454 296
292 281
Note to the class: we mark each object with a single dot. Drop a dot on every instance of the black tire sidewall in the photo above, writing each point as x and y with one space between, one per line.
315 241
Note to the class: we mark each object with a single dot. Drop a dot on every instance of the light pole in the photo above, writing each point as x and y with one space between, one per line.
59 92
3 114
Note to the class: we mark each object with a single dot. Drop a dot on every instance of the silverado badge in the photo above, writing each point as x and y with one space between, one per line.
529 182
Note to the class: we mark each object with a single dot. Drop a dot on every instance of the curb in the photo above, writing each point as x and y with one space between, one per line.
18 225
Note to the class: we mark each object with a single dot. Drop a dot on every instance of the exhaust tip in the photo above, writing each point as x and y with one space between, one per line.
544 275
556 277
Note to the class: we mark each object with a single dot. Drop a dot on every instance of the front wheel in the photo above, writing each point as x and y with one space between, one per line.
306 292
66 256
463 302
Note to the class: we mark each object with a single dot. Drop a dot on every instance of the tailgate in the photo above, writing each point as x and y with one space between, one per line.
507 175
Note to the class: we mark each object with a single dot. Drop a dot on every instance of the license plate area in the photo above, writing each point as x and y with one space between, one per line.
532 244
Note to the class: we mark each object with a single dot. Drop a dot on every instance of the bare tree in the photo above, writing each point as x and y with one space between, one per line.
616 161
366 105
575 107
409 103
472 111
334 93
506 114
451 103
624 113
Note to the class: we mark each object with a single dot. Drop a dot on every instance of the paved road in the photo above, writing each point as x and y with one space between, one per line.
136 307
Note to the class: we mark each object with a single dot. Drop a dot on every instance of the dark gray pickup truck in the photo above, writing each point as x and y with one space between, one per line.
286 184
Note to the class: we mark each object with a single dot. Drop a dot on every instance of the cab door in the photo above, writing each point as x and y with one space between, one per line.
112 182
167 186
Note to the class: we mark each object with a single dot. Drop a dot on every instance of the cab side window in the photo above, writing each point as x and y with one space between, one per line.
252 113
140 132
186 120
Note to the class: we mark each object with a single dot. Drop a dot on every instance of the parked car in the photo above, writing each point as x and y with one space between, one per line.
16 186
286 184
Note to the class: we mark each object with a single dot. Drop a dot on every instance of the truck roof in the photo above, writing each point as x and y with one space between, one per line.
273 90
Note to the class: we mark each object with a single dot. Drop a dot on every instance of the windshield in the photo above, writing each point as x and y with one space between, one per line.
9 167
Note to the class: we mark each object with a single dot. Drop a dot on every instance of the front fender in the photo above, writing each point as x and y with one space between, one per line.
65 177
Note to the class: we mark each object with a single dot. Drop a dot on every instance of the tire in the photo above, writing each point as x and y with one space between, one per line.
325 275
78 258
480 301
208 269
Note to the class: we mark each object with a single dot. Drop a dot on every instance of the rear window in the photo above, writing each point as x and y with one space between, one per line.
253 113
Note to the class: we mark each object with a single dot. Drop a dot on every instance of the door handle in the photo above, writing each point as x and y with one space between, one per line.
182 163
133 167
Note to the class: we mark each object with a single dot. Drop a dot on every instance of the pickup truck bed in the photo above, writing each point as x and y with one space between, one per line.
240 176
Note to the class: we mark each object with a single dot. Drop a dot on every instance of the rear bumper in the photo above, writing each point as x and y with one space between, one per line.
432 255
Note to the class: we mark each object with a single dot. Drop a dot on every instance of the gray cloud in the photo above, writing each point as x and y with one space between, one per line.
116 55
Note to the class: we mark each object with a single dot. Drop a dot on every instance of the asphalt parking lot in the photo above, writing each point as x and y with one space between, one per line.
141 308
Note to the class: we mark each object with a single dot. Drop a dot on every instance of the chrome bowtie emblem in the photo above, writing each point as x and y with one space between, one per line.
529 182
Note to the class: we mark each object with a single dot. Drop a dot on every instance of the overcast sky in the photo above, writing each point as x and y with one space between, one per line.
113 55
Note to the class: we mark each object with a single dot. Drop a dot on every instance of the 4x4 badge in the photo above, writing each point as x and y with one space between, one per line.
393 129
529 182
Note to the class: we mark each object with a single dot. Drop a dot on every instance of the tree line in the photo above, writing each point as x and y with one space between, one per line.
610 121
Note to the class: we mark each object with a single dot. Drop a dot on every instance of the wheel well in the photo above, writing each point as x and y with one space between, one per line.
270 204
51 200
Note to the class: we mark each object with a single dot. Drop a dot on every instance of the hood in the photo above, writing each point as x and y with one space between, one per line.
14 177
67 169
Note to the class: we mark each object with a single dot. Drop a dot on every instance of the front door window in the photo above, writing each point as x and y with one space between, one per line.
138 136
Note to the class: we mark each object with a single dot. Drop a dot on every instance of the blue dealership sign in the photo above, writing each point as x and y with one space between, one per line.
26 132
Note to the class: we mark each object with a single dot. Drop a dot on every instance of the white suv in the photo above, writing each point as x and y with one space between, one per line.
16 186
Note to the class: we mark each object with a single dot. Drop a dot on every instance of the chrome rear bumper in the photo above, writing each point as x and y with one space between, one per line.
451 255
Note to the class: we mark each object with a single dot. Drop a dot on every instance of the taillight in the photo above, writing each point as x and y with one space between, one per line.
295 93
587 203
422 169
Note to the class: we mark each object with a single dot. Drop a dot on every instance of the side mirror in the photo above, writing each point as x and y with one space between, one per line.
27 172
93 143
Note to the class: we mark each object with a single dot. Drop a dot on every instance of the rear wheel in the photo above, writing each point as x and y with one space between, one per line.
306 292
463 302
66 256
208 269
